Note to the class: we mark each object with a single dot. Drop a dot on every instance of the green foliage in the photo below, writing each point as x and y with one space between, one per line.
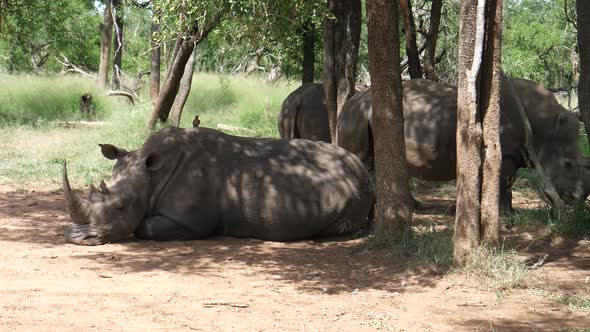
35 32
538 43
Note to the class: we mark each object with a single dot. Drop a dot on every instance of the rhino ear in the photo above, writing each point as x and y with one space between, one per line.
154 161
112 152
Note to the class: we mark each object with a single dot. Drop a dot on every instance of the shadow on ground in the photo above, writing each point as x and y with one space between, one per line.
328 266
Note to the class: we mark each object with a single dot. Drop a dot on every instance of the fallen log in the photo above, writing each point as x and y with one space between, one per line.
78 124
231 128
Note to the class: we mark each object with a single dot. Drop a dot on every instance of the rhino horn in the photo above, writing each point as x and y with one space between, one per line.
79 209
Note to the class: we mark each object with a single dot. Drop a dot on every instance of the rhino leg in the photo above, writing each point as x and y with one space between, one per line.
160 228
508 173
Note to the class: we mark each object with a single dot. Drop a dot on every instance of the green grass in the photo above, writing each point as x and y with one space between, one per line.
32 147
574 303
570 221
419 246
496 268
34 100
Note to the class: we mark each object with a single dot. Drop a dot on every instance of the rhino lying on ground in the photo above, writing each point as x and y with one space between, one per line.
192 183
430 127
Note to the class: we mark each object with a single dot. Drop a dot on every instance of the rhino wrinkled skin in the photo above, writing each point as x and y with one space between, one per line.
430 128
192 183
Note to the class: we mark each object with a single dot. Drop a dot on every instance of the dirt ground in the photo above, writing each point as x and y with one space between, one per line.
226 284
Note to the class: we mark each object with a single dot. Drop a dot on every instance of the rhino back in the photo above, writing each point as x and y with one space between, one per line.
303 114
429 129
352 128
312 118
263 188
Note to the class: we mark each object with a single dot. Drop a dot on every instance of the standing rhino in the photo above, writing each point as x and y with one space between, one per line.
304 115
430 128
192 183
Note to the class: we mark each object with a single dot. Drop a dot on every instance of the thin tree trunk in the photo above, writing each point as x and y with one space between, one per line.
341 44
490 83
118 45
330 80
106 32
187 43
184 90
469 133
583 24
394 202
174 54
172 84
478 117
155 61
308 53
414 67
431 40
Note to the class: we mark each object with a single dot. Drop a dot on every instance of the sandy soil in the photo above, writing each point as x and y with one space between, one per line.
226 284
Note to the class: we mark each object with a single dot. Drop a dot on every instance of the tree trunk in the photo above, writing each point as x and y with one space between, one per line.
184 90
308 53
186 44
477 116
583 23
172 58
330 81
431 40
394 202
155 62
341 44
106 32
118 45
414 67
172 83
490 83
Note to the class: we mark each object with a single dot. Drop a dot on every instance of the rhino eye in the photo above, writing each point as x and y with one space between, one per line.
568 164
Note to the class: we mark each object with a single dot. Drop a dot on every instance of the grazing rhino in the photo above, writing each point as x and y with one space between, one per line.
303 114
430 128
191 183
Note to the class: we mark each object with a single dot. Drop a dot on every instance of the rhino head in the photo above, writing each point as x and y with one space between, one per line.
113 211
559 155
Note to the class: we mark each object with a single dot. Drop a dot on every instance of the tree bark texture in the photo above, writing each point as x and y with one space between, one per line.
583 23
491 78
184 90
431 40
308 53
477 116
394 202
155 61
106 33
118 44
341 44
414 67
